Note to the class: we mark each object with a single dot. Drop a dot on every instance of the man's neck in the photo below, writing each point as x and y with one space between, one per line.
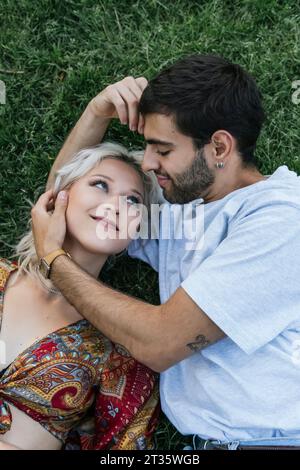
227 183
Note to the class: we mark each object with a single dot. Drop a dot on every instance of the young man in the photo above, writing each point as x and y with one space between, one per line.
225 334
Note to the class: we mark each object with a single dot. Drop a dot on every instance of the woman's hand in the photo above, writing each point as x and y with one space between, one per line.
120 100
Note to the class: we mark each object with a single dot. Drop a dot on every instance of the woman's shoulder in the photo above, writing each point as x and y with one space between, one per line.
6 267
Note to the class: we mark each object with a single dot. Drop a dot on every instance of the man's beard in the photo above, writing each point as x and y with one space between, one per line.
192 183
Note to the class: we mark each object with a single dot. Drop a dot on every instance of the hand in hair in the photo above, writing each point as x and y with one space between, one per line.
119 100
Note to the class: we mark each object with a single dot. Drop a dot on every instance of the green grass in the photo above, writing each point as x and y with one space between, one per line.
56 55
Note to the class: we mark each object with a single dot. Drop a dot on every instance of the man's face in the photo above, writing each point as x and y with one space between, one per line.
182 172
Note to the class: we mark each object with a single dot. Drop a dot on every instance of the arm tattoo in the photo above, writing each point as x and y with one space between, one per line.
199 343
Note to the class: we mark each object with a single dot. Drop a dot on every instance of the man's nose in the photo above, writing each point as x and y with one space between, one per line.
150 160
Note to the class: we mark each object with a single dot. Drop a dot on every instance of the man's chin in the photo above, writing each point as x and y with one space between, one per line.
172 198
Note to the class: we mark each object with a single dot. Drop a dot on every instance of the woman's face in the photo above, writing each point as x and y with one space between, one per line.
102 213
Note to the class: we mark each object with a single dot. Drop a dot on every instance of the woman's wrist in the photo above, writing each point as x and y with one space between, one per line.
95 110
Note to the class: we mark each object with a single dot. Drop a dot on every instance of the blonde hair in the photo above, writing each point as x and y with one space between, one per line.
81 163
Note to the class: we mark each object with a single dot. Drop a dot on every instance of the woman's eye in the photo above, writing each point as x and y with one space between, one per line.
163 154
101 184
133 200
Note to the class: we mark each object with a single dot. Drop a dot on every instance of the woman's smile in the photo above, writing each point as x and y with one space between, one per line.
106 222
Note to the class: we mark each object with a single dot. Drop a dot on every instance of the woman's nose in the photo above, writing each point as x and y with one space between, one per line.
111 204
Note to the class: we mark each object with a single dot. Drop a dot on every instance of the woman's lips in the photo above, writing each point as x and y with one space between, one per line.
107 223
162 180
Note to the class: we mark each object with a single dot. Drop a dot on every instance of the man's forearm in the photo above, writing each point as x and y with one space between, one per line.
125 320
88 131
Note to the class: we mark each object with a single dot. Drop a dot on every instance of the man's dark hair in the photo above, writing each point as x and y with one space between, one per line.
206 93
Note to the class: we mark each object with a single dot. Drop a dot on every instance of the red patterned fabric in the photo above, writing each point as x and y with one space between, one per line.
75 379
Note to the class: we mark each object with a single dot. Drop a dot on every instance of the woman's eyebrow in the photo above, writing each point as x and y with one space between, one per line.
104 176
110 179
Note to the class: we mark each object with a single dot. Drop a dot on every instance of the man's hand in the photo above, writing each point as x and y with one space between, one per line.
120 100
48 225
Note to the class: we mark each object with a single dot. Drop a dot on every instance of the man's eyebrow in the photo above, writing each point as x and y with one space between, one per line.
158 142
110 179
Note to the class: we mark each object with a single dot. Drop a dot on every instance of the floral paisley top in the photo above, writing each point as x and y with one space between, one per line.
76 370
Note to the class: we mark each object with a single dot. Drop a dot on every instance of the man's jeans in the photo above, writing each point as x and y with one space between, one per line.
202 444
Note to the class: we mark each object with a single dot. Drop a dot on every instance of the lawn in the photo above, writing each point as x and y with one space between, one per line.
56 55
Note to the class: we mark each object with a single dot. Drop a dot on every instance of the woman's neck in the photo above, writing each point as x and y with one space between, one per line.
92 263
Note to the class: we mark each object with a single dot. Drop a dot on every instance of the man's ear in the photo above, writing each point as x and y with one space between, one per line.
223 143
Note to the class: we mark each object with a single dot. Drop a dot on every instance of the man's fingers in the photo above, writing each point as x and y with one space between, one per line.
60 204
142 83
119 104
132 84
125 96
136 86
132 102
43 202
46 203
141 124
50 205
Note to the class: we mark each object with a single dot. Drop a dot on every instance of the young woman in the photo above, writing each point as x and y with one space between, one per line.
58 368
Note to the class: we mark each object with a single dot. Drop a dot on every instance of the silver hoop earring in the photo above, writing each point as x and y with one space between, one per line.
220 165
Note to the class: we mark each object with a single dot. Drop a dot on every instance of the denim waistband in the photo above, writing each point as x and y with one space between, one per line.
203 444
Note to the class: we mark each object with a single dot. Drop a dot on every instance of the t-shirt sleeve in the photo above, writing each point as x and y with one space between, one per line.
145 250
250 286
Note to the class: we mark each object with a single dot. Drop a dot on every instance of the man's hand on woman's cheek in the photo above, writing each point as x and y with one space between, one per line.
49 226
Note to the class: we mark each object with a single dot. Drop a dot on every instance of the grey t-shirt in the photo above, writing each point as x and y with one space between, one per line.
246 277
